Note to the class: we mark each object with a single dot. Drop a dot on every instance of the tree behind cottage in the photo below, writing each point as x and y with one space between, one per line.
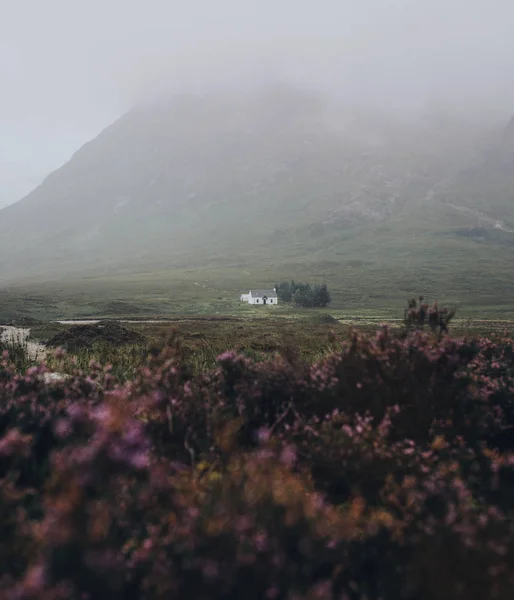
304 294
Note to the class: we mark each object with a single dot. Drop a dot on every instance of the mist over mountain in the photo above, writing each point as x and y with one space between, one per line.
274 175
16 181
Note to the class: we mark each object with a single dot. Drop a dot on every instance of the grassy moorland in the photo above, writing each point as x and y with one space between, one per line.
203 339
474 277
257 333
309 335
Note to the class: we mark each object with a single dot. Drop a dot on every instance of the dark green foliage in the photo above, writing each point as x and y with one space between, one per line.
304 294
321 295
285 290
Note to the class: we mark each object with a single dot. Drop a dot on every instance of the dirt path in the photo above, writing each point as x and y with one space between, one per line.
18 335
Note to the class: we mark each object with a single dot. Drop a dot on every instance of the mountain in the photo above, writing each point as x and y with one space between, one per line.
276 177
484 191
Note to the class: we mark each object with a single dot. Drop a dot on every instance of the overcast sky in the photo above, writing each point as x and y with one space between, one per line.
70 67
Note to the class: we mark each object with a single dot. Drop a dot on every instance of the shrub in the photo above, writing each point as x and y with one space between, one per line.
383 471
419 314
304 294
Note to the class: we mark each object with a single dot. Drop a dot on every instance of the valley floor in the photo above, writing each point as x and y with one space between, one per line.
310 336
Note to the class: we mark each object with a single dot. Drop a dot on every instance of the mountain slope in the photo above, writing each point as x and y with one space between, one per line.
272 177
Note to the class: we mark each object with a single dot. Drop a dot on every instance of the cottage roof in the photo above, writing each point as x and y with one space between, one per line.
261 293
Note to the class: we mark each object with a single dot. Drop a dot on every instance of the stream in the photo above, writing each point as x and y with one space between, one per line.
19 335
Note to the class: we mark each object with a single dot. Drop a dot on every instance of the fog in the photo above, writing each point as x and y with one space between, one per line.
67 69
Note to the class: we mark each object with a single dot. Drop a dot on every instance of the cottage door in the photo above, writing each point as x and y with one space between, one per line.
264 299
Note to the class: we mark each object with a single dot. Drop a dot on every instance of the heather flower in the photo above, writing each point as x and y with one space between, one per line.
288 456
263 435
14 443
266 479
227 357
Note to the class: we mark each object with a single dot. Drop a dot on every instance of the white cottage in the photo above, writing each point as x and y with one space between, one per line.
260 297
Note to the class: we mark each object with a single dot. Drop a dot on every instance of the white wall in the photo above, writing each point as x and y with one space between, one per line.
269 301
258 301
